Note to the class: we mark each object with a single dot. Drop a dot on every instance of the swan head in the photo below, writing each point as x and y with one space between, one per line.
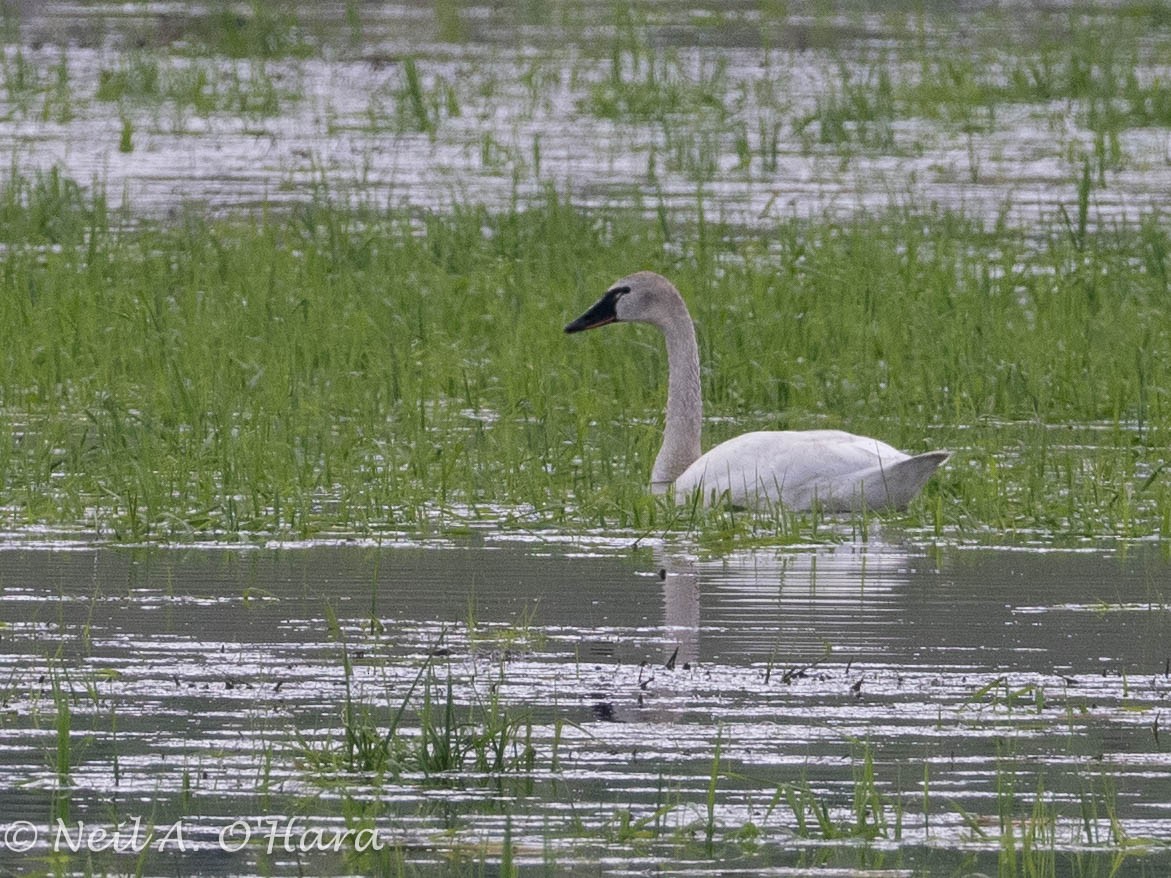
642 297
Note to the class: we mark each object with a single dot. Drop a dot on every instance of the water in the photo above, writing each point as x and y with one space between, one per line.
201 682
510 102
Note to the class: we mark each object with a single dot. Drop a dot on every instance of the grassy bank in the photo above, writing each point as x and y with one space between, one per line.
358 370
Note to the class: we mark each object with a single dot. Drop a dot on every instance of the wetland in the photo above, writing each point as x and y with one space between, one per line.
323 550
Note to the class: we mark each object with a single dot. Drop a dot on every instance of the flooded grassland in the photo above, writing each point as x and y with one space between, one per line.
325 551
748 112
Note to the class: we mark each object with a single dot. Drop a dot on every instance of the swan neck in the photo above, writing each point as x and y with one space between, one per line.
684 420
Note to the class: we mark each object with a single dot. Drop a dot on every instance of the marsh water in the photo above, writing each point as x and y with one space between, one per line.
198 684
716 109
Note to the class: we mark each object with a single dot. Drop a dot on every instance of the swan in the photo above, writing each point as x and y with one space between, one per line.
831 470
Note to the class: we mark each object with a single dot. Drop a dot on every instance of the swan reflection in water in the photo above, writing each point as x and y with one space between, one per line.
788 609
793 604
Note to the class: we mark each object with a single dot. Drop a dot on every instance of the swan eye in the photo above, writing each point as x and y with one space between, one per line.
618 292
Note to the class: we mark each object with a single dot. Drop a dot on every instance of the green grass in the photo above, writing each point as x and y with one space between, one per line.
357 370
62 792
1082 63
418 105
38 89
240 88
154 92
1088 64
854 110
256 29
422 730
1034 830
646 82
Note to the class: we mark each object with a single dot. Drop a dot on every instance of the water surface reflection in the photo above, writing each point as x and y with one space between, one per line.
194 678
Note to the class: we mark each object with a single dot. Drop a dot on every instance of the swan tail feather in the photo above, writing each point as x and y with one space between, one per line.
904 480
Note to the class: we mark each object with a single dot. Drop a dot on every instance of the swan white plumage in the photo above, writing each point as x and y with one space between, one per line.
798 469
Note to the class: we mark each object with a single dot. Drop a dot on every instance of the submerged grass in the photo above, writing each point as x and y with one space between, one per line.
459 765
245 89
364 370
646 83
256 29
1095 64
427 733
436 733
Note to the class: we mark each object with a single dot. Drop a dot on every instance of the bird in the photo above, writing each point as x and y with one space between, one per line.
800 470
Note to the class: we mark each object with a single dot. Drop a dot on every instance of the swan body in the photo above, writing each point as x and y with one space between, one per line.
800 470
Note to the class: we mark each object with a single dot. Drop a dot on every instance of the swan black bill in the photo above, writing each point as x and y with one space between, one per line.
603 311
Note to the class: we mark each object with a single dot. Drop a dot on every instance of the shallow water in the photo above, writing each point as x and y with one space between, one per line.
200 682
506 94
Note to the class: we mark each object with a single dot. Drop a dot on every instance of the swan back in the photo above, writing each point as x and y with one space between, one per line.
828 469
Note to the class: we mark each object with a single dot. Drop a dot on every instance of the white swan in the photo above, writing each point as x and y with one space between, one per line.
828 469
